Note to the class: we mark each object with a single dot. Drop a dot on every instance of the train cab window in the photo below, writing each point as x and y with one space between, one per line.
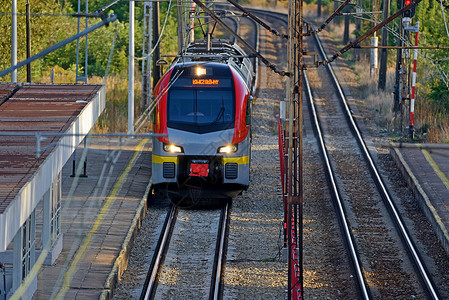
200 110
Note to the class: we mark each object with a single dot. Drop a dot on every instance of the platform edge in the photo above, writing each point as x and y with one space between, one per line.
422 199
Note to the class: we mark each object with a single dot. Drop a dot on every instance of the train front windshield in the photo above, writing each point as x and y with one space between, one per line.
200 110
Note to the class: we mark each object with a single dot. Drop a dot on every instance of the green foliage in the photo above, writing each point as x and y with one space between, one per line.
121 8
169 44
99 46
44 30
438 95
57 25
433 33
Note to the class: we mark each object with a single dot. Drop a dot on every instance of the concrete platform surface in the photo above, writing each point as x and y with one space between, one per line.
100 218
426 169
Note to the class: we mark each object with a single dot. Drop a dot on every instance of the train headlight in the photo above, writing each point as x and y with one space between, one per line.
228 149
200 71
172 148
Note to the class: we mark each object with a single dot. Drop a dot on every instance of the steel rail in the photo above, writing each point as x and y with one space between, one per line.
223 229
361 284
149 288
363 289
164 240
423 274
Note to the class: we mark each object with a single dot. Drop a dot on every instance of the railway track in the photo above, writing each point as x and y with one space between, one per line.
372 279
184 263
385 270
185 247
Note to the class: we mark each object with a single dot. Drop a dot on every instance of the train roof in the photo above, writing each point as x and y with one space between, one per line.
221 67
218 48
220 51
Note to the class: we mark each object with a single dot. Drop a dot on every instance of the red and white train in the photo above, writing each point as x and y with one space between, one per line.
203 106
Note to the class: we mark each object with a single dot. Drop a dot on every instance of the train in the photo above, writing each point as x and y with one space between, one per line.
202 123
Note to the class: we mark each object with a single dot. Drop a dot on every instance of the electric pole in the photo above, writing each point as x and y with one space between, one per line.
319 9
14 39
180 26
383 52
131 69
294 149
346 31
146 53
397 86
358 21
28 38
157 54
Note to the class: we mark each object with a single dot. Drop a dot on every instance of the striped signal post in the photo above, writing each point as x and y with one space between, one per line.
414 29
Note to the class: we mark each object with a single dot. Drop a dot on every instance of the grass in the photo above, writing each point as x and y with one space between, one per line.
378 103
431 126
115 115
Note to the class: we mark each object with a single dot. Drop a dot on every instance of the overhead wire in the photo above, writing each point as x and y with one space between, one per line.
434 62
160 35
111 53
444 18
36 14
154 103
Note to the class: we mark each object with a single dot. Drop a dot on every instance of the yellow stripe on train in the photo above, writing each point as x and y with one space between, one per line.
238 160
161 159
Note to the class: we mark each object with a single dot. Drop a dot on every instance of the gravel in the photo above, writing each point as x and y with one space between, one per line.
255 265
254 269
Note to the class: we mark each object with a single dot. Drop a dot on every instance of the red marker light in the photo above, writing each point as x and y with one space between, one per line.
407 2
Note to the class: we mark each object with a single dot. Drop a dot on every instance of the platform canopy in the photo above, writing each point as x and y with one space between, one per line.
33 109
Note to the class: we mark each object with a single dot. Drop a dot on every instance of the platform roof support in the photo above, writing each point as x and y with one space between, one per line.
51 227
25 256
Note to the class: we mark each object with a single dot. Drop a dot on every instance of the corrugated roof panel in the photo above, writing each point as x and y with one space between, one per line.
34 108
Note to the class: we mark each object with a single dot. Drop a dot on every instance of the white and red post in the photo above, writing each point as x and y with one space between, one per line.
412 98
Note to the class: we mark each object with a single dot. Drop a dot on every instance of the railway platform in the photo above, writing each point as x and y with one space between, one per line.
426 170
101 214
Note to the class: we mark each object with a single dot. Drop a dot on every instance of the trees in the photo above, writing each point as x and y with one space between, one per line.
44 27
51 23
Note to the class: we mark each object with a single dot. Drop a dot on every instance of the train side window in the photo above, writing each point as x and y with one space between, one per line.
249 105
